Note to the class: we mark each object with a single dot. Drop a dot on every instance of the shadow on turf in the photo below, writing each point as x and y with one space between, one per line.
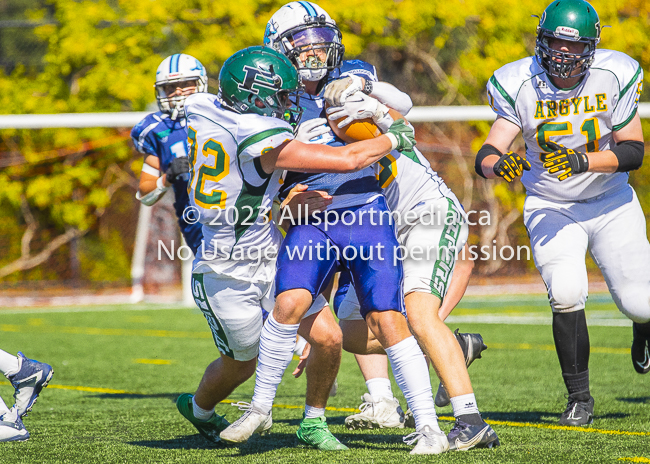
638 399
541 417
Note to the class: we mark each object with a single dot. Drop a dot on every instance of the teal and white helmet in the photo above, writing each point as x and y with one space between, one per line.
308 36
173 70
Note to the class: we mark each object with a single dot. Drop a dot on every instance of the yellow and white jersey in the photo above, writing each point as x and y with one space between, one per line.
408 182
582 118
229 188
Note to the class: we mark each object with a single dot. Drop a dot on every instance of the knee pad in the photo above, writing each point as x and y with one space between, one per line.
634 302
567 291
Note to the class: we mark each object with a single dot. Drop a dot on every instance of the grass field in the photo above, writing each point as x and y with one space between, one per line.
119 369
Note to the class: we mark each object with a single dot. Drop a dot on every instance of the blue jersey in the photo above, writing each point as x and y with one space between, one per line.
159 136
351 189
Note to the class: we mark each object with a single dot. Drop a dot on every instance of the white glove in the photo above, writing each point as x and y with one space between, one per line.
309 130
360 106
339 90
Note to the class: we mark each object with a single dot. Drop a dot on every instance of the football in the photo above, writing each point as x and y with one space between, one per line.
360 129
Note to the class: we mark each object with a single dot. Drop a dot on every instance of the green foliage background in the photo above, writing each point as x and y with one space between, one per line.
101 55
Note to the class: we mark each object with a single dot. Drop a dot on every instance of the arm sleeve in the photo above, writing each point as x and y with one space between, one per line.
392 97
501 102
628 99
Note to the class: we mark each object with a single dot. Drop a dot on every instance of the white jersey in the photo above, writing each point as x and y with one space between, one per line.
582 118
229 188
408 182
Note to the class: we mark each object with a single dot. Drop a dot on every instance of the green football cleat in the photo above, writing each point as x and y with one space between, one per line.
211 428
314 433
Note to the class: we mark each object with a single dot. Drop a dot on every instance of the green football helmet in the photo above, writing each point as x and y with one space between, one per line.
263 81
573 20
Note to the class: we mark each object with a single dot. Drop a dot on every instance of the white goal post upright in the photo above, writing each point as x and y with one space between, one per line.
130 119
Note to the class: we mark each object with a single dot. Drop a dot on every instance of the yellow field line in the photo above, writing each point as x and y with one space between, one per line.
36 328
98 331
635 459
530 346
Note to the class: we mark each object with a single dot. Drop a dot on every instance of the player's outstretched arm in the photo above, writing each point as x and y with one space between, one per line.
297 156
491 154
337 92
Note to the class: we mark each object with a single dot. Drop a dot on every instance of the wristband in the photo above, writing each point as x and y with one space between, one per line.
393 140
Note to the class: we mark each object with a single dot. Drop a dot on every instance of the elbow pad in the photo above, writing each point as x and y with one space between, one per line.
629 154
153 196
485 151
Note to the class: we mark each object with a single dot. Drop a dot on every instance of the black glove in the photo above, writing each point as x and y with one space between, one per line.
565 161
511 165
177 167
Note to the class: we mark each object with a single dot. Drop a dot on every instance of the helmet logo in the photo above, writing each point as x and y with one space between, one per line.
568 32
256 78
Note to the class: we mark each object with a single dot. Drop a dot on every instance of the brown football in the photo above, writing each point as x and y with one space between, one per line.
360 129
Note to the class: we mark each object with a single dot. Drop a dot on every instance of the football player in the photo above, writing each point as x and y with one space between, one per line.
162 138
307 35
28 377
237 140
411 188
576 107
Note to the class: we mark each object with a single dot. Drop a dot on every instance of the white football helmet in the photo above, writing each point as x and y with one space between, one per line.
174 69
306 34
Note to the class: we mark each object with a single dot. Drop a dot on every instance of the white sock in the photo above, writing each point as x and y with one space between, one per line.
312 412
276 351
199 412
412 376
464 404
379 387
9 364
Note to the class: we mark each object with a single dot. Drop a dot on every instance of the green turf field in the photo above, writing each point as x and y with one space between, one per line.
119 369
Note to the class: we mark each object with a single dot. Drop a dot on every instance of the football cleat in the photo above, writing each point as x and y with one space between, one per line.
314 433
31 378
427 441
12 428
472 346
254 420
383 413
578 411
464 436
640 351
211 428
409 419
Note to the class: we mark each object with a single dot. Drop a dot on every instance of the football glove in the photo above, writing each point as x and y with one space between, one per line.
337 91
360 106
565 162
177 167
510 166
402 135
310 130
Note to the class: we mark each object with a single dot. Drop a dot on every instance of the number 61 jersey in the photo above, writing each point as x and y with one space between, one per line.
582 118
229 188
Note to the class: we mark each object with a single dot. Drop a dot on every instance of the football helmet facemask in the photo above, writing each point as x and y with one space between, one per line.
308 36
571 20
178 69
263 81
